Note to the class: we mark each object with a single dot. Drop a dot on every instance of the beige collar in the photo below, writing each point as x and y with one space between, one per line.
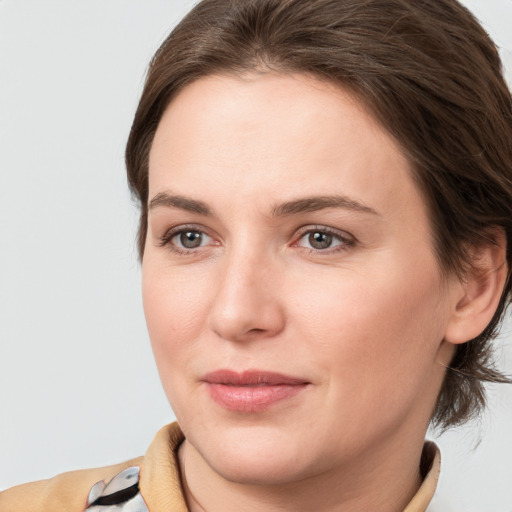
430 467
161 486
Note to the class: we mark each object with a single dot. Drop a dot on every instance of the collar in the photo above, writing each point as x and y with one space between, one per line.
430 467
160 481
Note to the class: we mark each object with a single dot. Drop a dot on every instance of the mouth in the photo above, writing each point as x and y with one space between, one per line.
251 391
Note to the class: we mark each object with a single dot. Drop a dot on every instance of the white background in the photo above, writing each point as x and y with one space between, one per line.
78 386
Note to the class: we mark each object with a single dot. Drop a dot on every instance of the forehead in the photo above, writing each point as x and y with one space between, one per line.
271 136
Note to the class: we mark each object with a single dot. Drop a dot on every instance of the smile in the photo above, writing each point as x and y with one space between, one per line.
251 391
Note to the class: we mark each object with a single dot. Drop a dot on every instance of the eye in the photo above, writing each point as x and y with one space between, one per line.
319 240
323 239
189 239
185 239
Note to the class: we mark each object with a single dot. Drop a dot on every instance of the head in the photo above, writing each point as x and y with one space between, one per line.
424 77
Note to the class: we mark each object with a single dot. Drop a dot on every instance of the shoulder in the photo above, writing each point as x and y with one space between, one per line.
67 492
151 483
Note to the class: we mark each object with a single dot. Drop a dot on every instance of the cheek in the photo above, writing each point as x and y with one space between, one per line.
374 333
175 309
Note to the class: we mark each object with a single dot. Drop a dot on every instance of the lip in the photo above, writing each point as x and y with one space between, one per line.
252 390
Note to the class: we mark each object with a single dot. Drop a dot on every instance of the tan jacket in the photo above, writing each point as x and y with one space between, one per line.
159 484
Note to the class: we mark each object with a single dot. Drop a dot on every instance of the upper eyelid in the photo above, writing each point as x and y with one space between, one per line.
303 229
296 236
325 229
190 227
170 233
347 240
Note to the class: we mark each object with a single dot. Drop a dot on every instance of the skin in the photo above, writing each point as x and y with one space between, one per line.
363 321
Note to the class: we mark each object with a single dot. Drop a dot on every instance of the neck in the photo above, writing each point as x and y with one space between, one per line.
383 479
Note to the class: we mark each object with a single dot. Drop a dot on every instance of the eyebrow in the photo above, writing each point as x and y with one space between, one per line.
297 206
181 202
315 203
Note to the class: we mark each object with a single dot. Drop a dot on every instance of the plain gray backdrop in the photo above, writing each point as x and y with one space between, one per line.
78 386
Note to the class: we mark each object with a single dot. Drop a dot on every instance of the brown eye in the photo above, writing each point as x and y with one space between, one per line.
190 239
319 240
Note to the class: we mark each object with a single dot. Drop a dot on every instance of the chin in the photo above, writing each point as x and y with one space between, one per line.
256 455
261 469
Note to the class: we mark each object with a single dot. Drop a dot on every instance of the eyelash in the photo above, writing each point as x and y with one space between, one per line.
347 241
166 239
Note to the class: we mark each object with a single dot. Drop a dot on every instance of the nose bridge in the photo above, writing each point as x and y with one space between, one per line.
245 305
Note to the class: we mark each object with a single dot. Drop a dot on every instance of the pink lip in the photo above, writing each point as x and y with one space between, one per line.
251 391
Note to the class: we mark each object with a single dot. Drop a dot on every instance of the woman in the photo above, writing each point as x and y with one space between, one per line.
326 201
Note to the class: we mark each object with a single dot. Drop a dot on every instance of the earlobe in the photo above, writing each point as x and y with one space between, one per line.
480 292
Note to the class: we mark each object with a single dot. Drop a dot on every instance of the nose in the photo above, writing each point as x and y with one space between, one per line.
246 302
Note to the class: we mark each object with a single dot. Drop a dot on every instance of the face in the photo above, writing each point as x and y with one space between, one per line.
293 299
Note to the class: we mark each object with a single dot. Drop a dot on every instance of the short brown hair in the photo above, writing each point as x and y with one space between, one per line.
429 73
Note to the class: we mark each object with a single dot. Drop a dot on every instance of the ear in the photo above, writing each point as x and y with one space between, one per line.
478 296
